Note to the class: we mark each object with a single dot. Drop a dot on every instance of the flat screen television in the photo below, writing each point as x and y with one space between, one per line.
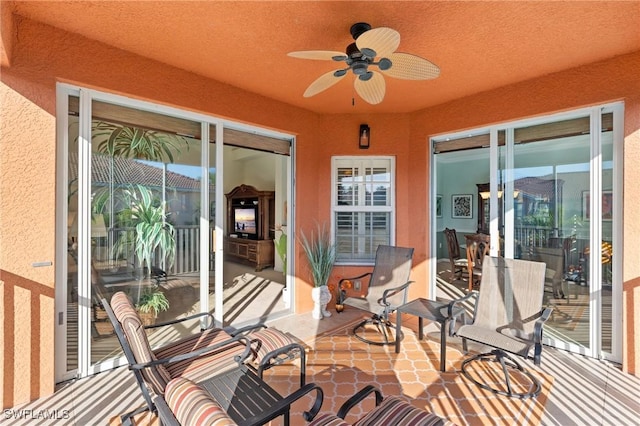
245 222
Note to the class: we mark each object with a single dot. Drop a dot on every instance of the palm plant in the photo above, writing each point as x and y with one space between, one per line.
151 230
321 254
135 142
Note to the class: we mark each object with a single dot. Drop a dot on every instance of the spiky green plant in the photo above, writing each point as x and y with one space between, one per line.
321 255
152 230
135 142
153 301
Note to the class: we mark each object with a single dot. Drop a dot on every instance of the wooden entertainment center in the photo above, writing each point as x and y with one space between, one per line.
244 242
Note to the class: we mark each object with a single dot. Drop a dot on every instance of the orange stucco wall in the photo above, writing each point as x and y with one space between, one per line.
26 300
43 55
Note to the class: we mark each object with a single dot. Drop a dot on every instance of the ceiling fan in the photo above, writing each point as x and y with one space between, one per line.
360 58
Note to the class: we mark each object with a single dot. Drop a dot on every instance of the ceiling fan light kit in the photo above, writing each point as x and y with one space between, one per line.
361 57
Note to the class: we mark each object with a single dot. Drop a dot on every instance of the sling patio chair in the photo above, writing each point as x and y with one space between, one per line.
387 289
199 356
508 317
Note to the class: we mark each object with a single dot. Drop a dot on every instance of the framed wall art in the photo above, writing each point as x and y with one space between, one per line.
438 205
462 206
607 205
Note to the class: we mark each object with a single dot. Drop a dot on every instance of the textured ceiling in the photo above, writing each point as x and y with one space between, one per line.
477 45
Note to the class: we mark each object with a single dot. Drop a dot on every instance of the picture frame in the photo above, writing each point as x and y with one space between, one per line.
607 205
438 205
462 206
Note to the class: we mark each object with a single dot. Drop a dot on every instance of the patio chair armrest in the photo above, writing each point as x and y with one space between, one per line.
281 355
353 278
357 398
199 352
458 303
537 335
179 320
460 300
284 350
239 331
283 405
537 331
395 290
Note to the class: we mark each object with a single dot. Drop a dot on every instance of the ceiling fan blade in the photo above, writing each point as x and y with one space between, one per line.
322 55
322 83
384 41
372 90
411 67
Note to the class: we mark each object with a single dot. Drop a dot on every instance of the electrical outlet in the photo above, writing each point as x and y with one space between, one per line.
357 285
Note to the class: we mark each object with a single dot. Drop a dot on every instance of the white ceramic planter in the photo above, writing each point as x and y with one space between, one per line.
320 296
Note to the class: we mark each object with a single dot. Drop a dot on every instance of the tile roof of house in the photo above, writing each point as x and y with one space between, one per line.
131 171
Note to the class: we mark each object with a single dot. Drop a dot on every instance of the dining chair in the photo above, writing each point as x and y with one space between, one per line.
458 263
477 249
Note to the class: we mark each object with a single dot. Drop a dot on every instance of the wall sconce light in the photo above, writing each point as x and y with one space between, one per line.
365 136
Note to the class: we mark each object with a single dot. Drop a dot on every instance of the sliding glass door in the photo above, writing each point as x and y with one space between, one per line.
548 193
144 212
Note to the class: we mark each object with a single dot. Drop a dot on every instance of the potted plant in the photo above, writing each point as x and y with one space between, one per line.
321 255
150 304
150 229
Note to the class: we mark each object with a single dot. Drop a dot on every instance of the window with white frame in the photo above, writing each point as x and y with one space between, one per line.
363 202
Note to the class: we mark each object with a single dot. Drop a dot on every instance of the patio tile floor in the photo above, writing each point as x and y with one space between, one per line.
584 391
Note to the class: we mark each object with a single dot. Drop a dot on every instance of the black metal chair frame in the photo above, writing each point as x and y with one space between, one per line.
136 367
273 358
253 402
381 418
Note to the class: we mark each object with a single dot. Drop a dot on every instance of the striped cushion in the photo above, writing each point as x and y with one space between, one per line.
398 412
266 340
156 377
192 405
328 420
202 367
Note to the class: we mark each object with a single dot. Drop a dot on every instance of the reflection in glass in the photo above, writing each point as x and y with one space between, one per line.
145 206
